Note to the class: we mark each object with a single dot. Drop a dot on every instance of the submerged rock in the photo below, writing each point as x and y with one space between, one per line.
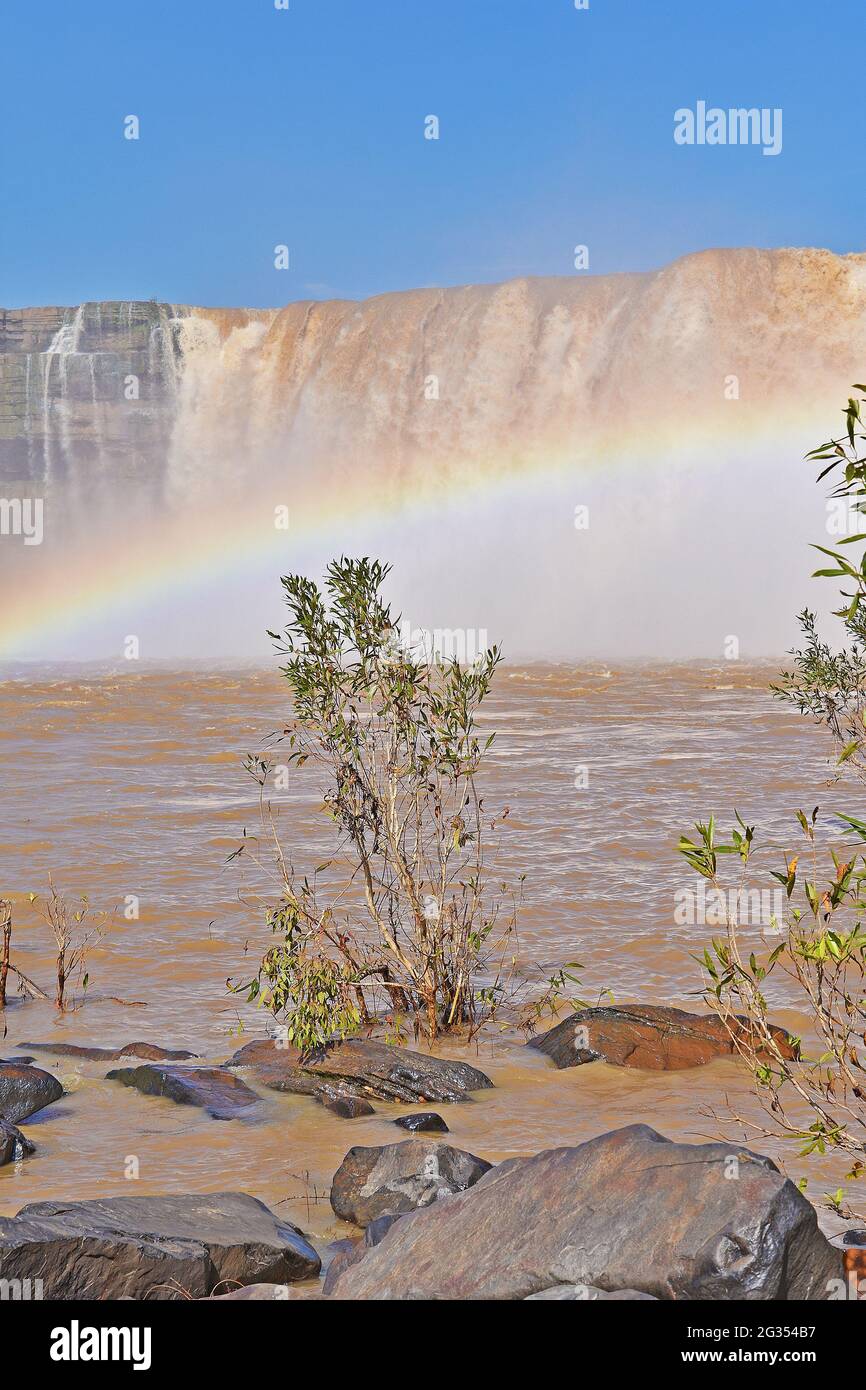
361 1067
152 1247
398 1178
222 1094
25 1089
150 1052
345 1104
648 1036
423 1122
13 1144
626 1211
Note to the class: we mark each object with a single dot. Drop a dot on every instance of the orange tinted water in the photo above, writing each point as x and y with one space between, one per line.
132 784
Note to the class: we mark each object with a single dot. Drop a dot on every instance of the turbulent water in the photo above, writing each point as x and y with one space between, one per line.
131 784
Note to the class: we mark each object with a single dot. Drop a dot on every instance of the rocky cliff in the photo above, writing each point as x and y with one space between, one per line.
408 384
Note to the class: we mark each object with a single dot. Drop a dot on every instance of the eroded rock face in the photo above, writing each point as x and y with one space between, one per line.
645 1036
152 1247
222 1094
150 1052
13 1144
25 1089
398 1178
626 1211
361 1067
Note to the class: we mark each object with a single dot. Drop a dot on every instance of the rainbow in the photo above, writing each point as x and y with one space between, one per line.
95 576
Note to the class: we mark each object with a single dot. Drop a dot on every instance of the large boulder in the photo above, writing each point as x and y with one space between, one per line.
222 1094
398 1178
628 1210
362 1067
647 1036
25 1089
13 1144
149 1052
152 1247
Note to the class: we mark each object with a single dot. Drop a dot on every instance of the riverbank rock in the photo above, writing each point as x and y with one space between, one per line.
422 1122
149 1052
645 1036
152 1247
222 1094
397 1178
628 1210
361 1067
24 1089
344 1253
13 1144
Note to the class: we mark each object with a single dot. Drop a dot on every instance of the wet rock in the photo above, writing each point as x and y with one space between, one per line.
398 1178
854 1238
152 1247
222 1094
585 1293
25 1089
647 1036
628 1210
150 1052
423 1122
13 1144
342 1254
362 1067
345 1104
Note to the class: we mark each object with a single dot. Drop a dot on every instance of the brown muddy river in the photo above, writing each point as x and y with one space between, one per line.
128 783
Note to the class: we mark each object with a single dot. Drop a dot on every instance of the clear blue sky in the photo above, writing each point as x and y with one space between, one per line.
305 127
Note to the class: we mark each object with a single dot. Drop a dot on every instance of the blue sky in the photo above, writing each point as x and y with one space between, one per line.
306 127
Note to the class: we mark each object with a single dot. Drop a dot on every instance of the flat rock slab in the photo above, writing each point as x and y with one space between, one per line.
628 1210
650 1037
398 1178
25 1089
152 1247
13 1144
364 1068
150 1052
222 1094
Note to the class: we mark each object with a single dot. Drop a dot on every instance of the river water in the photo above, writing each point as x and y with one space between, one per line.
129 784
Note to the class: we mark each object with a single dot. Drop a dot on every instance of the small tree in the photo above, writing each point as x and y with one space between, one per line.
814 1093
827 685
75 931
393 734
